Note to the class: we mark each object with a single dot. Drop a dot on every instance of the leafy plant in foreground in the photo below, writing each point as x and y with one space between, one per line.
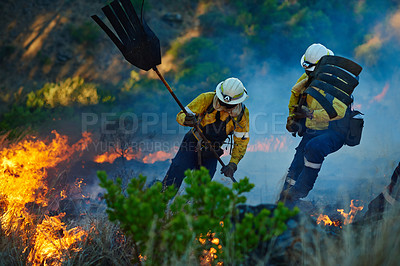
183 229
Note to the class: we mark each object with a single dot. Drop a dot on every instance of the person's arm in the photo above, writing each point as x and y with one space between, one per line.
196 107
241 138
297 89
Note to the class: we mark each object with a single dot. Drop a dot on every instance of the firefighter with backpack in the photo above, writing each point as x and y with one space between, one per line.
316 112
218 114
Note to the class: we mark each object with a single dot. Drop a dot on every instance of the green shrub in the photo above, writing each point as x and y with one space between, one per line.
85 33
53 101
15 122
163 232
71 91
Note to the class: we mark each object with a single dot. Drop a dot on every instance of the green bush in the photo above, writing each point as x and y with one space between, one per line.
163 232
71 91
53 101
85 33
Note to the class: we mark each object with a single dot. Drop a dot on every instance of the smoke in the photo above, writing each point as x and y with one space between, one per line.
267 62
359 172
269 72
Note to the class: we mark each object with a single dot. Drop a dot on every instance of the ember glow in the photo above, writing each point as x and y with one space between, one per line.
210 255
23 182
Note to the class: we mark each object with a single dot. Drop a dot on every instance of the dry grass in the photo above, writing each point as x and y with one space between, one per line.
365 243
104 245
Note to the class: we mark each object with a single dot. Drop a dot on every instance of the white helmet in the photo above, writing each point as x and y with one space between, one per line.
231 91
312 55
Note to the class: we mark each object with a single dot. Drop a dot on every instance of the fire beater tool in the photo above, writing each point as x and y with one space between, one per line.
139 45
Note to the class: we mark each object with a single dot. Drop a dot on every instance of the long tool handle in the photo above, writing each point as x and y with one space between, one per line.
196 126
301 102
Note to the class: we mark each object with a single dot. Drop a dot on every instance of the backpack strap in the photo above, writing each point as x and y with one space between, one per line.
328 88
324 102
336 76
240 116
210 108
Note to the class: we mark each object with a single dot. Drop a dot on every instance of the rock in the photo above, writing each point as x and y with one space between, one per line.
288 248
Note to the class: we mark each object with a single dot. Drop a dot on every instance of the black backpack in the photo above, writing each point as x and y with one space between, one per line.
356 125
351 126
337 77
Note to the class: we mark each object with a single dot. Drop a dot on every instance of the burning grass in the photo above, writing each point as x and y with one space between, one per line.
345 218
365 242
31 234
25 196
129 154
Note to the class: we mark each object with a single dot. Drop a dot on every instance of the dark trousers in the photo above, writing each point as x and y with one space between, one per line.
310 153
187 158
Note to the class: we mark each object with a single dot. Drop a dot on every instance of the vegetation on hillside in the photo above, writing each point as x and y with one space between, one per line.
56 64
234 38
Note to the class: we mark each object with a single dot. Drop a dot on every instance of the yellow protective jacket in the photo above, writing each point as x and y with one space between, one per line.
240 134
320 120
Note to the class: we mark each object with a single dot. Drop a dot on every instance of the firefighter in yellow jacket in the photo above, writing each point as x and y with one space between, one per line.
218 114
319 137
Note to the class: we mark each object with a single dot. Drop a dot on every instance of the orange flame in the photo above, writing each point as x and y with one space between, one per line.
269 145
52 239
157 156
23 173
348 217
150 158
111 156
210 255
326 220
63 194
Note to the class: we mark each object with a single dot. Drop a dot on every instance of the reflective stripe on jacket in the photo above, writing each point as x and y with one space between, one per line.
240 134
321 119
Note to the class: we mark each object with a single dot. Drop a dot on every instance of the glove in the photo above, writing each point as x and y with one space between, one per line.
229 170
303 113
190 120
291 125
